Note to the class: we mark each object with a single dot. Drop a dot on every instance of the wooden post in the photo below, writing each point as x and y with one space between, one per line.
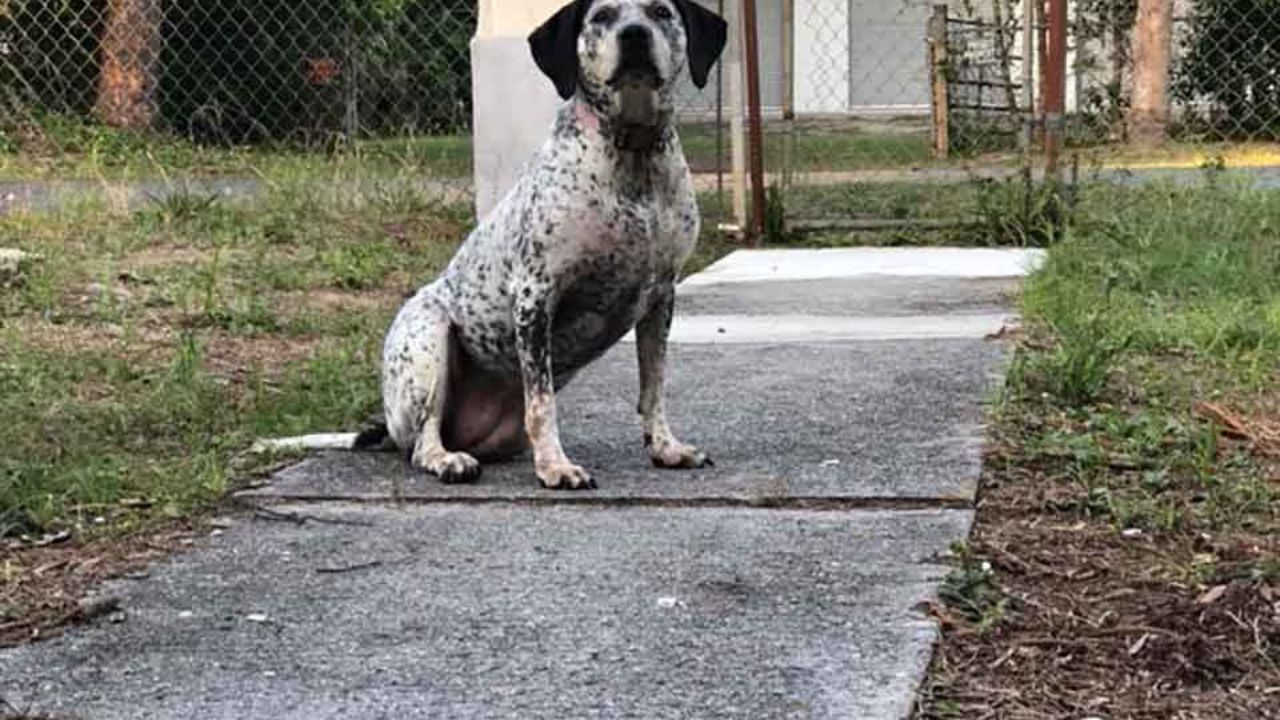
937 50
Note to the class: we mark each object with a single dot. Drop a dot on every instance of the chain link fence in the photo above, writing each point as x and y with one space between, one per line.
242 71
890 107
906 115
1223 82
115 80
915 116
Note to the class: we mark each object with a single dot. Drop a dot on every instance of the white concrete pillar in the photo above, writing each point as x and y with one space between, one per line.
514 104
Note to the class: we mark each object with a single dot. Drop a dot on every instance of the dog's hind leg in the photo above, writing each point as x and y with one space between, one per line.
418 356
651 350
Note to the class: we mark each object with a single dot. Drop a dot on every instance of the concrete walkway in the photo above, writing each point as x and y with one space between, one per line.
843 410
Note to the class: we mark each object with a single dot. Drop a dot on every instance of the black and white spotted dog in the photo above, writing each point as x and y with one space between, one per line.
587 245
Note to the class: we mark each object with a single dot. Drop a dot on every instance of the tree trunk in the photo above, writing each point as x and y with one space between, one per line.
130 54
1152 44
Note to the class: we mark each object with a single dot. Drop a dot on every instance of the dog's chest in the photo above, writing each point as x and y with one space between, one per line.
624 256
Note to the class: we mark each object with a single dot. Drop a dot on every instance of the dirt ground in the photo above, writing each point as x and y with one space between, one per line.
1067 616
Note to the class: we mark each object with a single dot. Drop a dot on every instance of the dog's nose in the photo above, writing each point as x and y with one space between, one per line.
634 42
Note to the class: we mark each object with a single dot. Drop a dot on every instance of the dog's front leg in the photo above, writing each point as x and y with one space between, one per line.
533 320
651 350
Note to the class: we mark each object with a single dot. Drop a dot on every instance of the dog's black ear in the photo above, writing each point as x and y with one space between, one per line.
707 33
555 46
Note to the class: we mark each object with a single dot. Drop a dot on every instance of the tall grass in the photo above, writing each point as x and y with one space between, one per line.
1161 270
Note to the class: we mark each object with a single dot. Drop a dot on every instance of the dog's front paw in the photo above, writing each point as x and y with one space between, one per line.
678 456
565 476
452 468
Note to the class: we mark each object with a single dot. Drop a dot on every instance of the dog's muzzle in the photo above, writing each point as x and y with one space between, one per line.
637 82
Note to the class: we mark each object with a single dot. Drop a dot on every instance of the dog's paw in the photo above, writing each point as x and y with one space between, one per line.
565 476
455 467
678 456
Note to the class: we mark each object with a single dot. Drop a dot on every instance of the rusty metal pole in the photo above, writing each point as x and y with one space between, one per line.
1055 96
754 128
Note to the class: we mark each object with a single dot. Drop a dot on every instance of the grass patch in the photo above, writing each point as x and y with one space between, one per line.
977 212
819 147
145 350
61 147
1129 510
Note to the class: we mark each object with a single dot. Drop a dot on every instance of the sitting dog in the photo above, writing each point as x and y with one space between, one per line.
587 245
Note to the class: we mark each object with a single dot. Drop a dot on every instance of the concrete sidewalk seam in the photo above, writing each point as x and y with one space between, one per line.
255 501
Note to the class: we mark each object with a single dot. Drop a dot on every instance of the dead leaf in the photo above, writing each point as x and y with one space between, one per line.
1212 595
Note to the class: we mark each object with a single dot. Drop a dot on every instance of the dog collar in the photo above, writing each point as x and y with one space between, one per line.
638 138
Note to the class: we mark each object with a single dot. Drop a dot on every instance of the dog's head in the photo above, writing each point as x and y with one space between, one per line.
624 55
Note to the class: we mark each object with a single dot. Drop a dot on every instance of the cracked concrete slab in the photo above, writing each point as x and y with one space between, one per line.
777 329
503 612
749 266
896 420
872 296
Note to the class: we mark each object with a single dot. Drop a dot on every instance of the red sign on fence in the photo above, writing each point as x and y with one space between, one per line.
322 71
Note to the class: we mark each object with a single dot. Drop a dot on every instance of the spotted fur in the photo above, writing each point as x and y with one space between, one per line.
586 246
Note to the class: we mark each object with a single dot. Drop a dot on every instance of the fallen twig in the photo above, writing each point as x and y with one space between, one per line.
302 518
349 568
1264 438
88 609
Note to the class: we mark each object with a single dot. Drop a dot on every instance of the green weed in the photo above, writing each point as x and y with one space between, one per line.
181 205
971 590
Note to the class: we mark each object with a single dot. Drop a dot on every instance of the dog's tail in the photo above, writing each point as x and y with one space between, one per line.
373 437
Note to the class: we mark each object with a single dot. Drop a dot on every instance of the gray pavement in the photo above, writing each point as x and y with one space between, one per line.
784 583
508 612
840 421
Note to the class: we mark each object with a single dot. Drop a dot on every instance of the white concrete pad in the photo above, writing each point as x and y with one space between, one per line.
774 329
763 265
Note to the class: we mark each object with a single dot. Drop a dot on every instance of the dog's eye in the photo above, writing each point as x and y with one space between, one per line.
605 16
660 12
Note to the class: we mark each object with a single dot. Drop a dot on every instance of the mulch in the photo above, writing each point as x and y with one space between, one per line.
46 588
1104 624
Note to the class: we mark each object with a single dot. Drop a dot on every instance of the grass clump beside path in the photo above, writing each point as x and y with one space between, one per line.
1126 557
141 352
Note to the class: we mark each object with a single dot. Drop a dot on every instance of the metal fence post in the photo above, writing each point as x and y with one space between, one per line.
1055 99
937 53
754 122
